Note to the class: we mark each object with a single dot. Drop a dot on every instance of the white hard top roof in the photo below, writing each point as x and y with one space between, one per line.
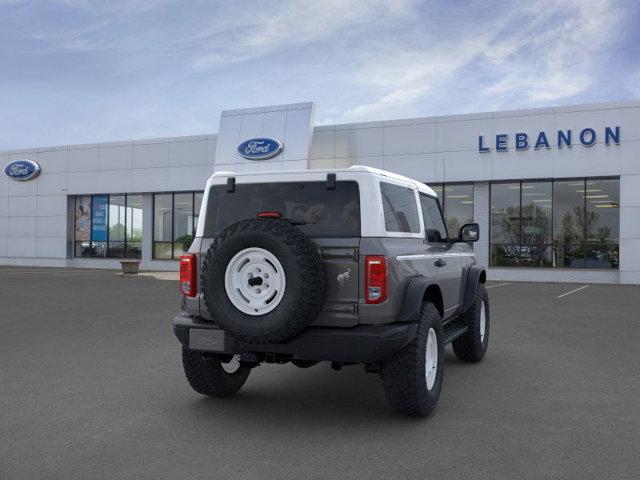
278 174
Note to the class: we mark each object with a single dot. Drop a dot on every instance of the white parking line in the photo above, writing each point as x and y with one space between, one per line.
21 271
56 273
498 285
69 274
39 272
573 291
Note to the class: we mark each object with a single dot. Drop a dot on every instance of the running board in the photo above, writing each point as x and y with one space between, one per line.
453 331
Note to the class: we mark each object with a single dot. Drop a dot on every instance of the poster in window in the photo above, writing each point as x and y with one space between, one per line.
83 219
99 218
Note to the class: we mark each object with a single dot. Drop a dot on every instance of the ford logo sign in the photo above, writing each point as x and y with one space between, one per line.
22 170
260 148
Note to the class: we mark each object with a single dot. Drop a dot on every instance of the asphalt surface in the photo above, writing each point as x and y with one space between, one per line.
91 386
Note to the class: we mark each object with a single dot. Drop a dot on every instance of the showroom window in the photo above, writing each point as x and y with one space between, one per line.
108 226
562 224
175 219
457 204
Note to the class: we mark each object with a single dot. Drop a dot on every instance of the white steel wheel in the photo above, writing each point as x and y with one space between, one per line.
255 281
431 359
232 365
483 322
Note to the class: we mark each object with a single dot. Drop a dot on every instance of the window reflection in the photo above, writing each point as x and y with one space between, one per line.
182 223
116 226
565 224
603 211
134 226
197 203
175 218
162 225
569 223
82 226
536 202
108 226
457 204
603 223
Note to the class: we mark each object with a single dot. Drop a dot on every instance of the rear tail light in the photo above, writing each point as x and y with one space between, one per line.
375 278
188 275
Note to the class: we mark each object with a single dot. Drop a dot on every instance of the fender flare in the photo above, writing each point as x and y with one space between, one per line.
476 275
412 299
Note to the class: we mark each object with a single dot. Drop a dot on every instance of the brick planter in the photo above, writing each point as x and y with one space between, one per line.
130 266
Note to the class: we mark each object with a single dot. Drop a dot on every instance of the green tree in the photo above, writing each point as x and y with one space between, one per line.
116 232
536 234
186 241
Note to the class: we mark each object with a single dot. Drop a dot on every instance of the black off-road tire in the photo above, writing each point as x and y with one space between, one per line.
470 347
303 268
206 375
404 376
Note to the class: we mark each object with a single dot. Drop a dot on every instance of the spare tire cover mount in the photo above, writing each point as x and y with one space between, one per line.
255 281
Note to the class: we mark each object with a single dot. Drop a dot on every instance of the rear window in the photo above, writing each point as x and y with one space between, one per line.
400 209
317 211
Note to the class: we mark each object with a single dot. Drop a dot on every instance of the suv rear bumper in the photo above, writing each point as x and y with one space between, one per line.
360 344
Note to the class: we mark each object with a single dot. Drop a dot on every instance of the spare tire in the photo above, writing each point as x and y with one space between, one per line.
263 280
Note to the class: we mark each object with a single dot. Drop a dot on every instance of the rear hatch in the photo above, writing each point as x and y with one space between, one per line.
330 217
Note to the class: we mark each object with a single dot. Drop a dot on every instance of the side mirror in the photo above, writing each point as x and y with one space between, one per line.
470 232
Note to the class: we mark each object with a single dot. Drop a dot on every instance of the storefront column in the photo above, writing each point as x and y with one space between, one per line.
481 215
629 229
147 226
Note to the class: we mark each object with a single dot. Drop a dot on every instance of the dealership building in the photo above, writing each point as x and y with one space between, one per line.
556 190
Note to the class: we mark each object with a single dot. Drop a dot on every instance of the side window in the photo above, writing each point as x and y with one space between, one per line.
433 222
400 209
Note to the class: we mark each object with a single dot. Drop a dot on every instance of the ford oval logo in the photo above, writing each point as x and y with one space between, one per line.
22 170
260 148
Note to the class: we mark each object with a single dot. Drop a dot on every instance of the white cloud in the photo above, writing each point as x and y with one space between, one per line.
543 52
554 63
164 67
258 32
120 6
397 98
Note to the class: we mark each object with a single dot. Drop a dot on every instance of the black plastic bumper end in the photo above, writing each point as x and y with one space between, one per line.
360 344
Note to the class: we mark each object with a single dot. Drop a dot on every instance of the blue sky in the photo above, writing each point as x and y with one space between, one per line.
76 71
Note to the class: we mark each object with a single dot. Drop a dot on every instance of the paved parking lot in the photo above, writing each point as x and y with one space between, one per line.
91 386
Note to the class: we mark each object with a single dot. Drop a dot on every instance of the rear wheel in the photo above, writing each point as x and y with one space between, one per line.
214 375
412 378
472 346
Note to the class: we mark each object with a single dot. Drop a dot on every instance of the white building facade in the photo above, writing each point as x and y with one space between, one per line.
556 191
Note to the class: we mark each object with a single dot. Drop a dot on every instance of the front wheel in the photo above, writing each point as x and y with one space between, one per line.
472 346
412 378
214 375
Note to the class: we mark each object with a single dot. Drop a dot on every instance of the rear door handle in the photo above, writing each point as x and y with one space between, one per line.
440 263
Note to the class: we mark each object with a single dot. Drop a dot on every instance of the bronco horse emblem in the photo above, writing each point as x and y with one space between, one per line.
344 276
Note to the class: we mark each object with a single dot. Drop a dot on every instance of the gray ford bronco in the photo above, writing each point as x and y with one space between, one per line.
347 266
